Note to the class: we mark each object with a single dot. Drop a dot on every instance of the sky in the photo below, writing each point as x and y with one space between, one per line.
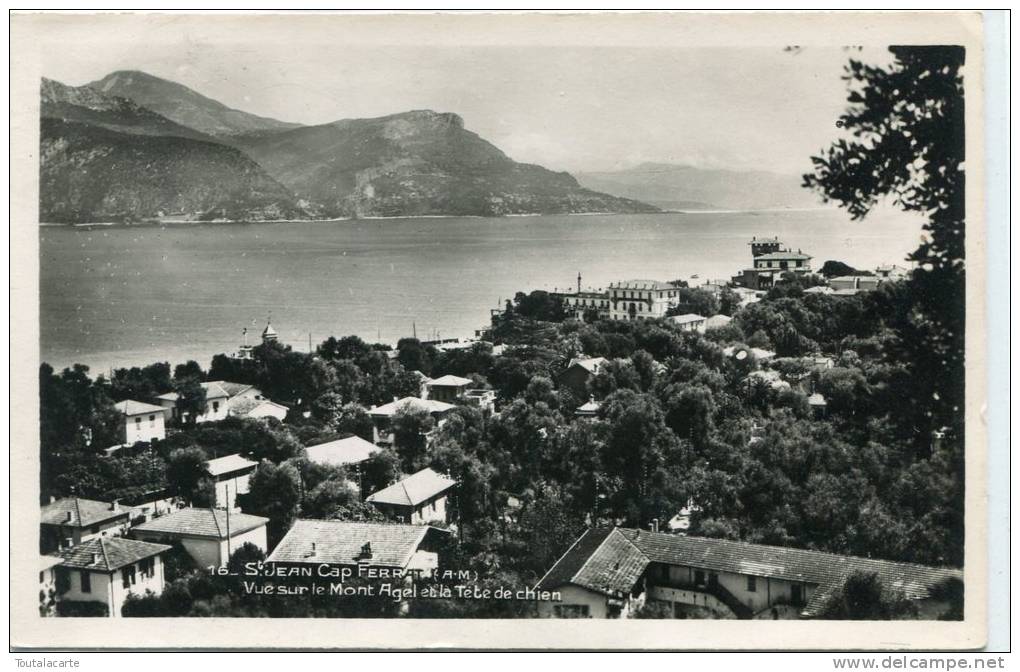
576 107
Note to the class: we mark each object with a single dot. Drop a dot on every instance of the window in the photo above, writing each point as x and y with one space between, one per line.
795 595
215 407
41 577
152 421
86 581
129 576
571 611
149 567
752 584
699 577
138 421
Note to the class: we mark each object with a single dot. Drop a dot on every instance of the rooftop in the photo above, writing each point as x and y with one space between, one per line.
449 381
351 450
412 404
782 254
592 364
214 389
413 490
341 543
203 523
83 512
131 407
106 554
245 407
228 464
686 318
641 284
611 561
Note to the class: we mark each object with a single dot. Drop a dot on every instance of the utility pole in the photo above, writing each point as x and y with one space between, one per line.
227 489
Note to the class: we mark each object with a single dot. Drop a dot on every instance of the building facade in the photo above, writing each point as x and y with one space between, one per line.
108 570
71 521
418 499
769 261
209 536
641 299
231 474
140 422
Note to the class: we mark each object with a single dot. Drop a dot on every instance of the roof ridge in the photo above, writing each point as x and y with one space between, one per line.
77 510
406 493
563 555
593 554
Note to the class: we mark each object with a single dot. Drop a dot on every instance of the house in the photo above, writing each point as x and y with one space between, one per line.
231 474
589 409
641 299
607 573
485 400
73 520
578 372
351 451
861 283
140 422
383 415
209 536
449 389
107 570
257 408
892 272
349 544
689 322
222 399
577 303
418 499
770 260
717 321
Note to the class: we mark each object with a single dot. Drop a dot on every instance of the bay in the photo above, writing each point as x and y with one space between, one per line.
115 296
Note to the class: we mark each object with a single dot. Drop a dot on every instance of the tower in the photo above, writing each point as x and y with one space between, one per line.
269 334
579 282
764 246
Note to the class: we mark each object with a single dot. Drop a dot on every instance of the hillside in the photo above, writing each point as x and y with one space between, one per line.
676 187
416 163
183 105
90 173
87 106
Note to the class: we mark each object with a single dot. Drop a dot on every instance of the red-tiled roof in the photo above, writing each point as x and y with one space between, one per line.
202 523
84 512
340 542
610 566
414 489
106 554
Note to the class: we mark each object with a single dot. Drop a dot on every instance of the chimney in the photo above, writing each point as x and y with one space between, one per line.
311 553
95 558
655 524
113 504
366 552
70 516
52 499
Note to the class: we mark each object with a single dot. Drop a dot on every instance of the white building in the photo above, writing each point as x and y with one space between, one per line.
210 536
232 475
107 570
418 499
73 520
689 322
641 299
224 399
351 451
382 416
140 422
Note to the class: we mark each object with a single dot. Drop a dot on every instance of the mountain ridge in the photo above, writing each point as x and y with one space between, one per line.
414 163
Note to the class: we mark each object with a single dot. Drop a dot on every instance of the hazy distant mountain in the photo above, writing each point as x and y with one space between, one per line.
107 159
132 146
417 163
679 187
183 105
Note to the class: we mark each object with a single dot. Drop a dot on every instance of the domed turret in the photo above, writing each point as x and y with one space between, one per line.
269 334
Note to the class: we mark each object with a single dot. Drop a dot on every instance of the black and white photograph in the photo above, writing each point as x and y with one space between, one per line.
342 316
